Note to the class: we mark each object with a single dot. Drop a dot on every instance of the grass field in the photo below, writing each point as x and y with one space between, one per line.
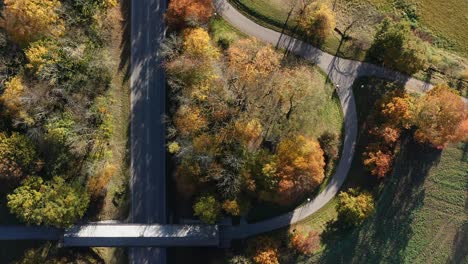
420 216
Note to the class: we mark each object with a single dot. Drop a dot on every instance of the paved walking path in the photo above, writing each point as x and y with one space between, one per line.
343 73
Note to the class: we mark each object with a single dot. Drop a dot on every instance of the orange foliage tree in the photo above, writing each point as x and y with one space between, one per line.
265 250
299 166
397 109
306 244
183 12
379 163
439 114
97 184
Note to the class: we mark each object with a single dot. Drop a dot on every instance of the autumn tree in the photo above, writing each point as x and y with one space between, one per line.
188 12
397 109
251 61
197 43
317 21
52 203
29 20
265 250
189 120
395 47
18 158
97 184
378 162
12 99
299 166
439 114
208 209
354 207
249 132
305 244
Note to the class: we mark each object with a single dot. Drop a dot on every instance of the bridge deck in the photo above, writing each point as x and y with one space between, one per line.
115 235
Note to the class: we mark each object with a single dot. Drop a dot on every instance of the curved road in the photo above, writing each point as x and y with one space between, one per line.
343 73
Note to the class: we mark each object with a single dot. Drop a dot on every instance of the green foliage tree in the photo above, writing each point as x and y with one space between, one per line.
53 203
396 47
208 209
354 207
18 158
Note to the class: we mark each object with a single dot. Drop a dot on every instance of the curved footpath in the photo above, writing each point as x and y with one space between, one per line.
343 73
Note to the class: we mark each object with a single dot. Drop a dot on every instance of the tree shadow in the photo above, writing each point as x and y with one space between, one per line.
125 44
385 236
459 247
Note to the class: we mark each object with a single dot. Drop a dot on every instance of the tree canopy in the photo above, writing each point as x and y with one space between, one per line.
439 114
192 12
316 20
354 207
54 202
29 20
394 46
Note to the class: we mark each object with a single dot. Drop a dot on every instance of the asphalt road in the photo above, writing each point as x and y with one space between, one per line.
148 96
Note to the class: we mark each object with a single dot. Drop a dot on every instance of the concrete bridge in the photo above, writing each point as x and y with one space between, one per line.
119 235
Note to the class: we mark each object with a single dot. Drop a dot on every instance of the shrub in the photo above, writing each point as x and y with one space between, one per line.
208 209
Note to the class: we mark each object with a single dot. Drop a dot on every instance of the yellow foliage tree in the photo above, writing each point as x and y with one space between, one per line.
251 61
249 132
189 120
398 108
39 54
29 20
316 20
197 43
11 97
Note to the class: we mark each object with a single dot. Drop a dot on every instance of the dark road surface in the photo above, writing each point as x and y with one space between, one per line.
148 162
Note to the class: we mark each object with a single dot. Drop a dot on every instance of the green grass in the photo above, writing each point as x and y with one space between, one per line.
420 215
221 30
